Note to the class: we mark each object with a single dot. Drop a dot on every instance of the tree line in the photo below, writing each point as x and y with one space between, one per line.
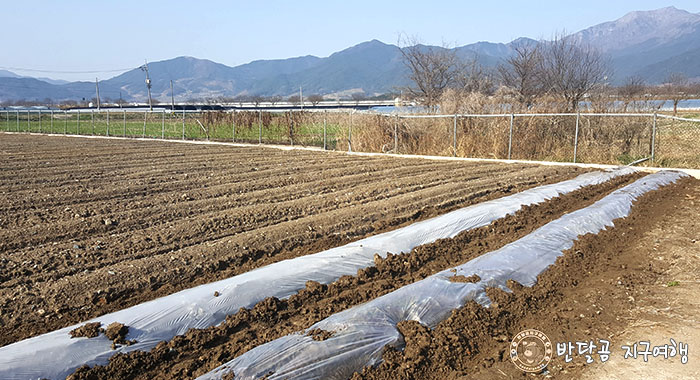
554 75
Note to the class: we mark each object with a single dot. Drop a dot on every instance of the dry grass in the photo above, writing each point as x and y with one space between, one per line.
610 140
605 140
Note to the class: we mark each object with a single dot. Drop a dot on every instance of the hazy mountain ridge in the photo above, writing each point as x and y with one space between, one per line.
639 40
637 28
650 44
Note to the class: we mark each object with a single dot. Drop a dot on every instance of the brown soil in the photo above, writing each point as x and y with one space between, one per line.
460 278
89 227
319 334
199 351
88 330
116 332
583 297
666 307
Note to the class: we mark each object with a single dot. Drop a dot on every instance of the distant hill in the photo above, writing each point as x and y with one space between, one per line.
650 44
639 42
8 74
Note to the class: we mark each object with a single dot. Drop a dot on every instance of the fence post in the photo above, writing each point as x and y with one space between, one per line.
653 138
124 134
29 127
65 122
52 121
40 129
17 120
325 114
396 134
7 115
162 125
510 135
78 121
183 122
107 123
350 133
145 115
92 118
454 136
578 117
233 127
259 127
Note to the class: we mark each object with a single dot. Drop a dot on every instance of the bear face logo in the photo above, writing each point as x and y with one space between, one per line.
531 350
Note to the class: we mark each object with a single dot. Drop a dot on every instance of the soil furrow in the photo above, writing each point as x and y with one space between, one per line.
199 351
271 205
586 295
217 211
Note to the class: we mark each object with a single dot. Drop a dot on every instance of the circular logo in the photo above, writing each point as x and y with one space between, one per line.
531 350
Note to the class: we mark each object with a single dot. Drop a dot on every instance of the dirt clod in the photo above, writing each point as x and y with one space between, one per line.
461 278
88 330
319 334
116 332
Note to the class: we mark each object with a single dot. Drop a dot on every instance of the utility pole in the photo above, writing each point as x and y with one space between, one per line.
97 87
172 96
148 85
301 99
121 102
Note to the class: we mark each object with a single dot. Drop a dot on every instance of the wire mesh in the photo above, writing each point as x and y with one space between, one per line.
677 143
586 137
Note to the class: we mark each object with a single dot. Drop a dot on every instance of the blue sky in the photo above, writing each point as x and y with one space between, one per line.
111 35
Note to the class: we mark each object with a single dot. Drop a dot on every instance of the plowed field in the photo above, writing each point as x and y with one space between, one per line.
90 226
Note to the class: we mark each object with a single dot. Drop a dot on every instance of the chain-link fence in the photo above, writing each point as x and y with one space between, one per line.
640 139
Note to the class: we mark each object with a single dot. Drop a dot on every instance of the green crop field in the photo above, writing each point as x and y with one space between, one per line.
168 126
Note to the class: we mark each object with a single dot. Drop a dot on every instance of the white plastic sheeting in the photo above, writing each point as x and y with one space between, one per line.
360 333
56 355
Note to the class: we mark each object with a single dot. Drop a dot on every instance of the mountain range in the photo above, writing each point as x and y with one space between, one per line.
648 44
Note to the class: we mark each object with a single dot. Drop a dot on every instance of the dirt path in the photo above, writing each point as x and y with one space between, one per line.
89 227
608 286
667 307
200 351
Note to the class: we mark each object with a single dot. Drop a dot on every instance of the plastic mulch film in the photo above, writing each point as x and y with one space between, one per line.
56 355
360 333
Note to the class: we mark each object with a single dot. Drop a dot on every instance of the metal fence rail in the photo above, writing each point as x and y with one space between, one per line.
608 138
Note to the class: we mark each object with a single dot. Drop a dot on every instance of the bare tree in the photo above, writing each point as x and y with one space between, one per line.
677 88
275 99
570 70
472 77
257 99
431 69
315 99
631 90
520 72
358 96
